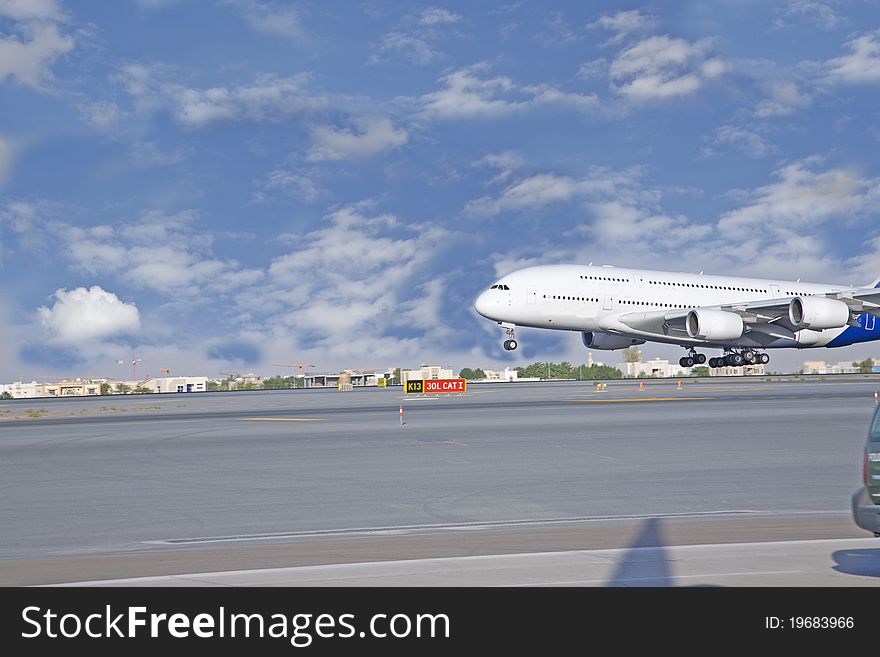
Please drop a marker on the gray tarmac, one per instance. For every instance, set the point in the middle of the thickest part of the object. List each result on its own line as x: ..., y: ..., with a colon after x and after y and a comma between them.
x: 113, y: 488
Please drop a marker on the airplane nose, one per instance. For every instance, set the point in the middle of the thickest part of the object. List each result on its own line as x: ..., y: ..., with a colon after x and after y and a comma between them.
x: 482, y: 304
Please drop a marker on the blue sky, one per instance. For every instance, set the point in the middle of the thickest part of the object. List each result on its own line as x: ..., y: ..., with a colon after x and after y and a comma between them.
x: 222, y: 185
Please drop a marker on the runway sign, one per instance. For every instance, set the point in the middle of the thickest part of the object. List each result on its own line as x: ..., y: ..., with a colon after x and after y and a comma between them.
x: 415, y: 387
x: 445, y: 385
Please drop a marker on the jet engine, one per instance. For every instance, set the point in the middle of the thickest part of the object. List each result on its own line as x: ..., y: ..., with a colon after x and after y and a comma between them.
x: 606, y: 341
x: 714, y: 325
x: 817, y: 313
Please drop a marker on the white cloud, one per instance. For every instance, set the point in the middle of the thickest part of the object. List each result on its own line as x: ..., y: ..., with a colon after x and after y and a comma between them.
x: 292, y: 183
x: 801, y: 198
x: 28, y: 60
x: 376, y: 134
x: 506, y: 162
x: 339, y: 288
x: 623, y: 23
x: 274, y: 19
x: 28, y: 10
x: 818, y: 13
x: 466, y: 95
x: 745, y: 140
x: 623, y: 223
x: 267, y: 97
x: 84, y: 315
x: 662, y: 67
x: 861, y: 65
x: 785, y: 98
x: 540, y: 190
x: 7, y: 155
x: 159, y: 252
x: 416, y: 47
x: 438, y: 16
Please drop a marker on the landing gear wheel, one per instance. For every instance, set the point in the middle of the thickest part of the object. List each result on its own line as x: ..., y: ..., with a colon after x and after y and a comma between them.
x: 700, y: 359
x: 687, y: 361
x: 510, y: 345
x: 713, y: 362
x: 736, y: 360
x: 764, y: 358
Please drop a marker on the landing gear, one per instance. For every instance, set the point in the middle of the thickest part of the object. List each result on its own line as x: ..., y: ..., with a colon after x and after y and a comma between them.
x: 693, y: 358
x: 510, y: 344
x: 738, y: 359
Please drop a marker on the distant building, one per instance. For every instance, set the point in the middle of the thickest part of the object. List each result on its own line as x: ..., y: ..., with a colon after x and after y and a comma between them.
x: 656, y: 367
x: 176, y: 384
x: 821, y: 367
x: 356, y: 378
x: 67, y: 388
x: 426, y: 372
x: 507, y: 374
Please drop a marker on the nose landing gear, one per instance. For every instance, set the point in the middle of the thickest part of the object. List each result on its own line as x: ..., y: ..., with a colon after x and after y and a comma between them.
x: 510, y: 344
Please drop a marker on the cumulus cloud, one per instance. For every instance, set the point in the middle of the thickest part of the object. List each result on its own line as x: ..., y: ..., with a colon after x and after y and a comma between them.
x: 338, y: 289
x: 376, y: 134
x: 803, y: 197
x: 28, y: 58
x: 438, y: 15
x: 543, y: 189
x: 743, y: 139
x: 623, y: 23
x: 159, y: 252
x: 506, y: 162
x: 28, y: 10
x: 271, y: 18
x: 785, y: 98
x: 861, y: 65
x: 818, y: 13
x: 267, y: 97
x: 467, y: 95
x: 662, y: 67
x: 296, y: 185
x: 84, y: 315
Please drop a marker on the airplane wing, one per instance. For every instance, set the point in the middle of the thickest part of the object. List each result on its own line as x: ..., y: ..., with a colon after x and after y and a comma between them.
x: 765, y: 320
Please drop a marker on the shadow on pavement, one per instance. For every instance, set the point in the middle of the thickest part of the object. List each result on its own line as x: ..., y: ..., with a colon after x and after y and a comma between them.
x: 858, y: 562
x: 645, y: 563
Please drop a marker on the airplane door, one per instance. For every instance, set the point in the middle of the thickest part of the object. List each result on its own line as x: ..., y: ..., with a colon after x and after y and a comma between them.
x: 532, y: 295
x: 870, y: 322
x: 775, y: 292
x: 607, y: 304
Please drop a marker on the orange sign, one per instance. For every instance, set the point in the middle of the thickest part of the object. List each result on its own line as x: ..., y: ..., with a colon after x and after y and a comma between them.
x: 445, y: 385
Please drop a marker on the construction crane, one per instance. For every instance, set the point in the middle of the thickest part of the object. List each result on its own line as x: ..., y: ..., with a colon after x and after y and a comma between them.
x: 231, y: 375
x: 301, y: 366
x: 134, y: 362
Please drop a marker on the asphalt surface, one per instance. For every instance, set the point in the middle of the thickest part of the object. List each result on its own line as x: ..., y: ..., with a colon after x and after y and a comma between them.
x: 115, y: 487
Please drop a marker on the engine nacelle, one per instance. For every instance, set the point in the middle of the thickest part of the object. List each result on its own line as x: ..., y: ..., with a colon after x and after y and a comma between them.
x: 606, y: 341
x: 817, y: 313
x: 712, y: 325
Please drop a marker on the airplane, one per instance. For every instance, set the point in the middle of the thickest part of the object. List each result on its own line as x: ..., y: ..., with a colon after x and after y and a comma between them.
x: 615, y: 308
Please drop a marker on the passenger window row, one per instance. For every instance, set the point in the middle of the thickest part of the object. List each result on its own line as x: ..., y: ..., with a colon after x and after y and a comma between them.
x: 708, y: 287
x: 605, y: 278
x: 565, y: 298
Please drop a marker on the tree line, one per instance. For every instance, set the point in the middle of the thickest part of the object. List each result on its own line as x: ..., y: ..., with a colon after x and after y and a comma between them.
x: 548, y: 370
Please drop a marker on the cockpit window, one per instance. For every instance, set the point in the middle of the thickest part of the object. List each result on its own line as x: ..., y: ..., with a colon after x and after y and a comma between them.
x: 494, y: 287
x: 504, y: 287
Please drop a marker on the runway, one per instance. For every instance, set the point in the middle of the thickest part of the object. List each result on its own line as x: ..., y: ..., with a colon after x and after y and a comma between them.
x: 233, y: 482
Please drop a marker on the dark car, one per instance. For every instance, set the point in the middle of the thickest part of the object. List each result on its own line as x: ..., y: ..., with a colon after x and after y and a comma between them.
x: 866, y: 500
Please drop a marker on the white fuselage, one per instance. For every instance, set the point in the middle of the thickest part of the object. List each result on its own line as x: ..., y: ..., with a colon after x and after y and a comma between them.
x: 592, y: 298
